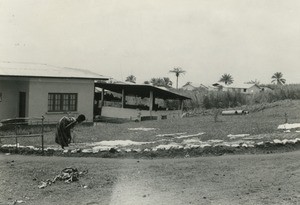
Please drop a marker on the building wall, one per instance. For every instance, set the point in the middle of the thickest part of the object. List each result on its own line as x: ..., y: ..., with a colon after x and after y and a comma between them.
x: 38, y: 97
x: 253, y: 89
x: 9, y: 89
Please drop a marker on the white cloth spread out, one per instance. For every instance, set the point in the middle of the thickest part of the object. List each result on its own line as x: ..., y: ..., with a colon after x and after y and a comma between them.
x: 141, y: 129
x: 288, y: 126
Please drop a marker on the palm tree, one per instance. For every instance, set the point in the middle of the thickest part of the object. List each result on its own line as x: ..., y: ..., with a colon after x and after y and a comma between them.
x: 277, y: 77
x: 177, y: 72
x: 226, y: 78
x: 131, y: 79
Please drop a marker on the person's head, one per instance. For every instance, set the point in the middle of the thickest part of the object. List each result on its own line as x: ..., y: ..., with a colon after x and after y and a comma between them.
x: 80, y: 118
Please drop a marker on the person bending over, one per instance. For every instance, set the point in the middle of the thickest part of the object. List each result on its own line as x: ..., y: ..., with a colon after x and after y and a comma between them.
x: 63, y: 129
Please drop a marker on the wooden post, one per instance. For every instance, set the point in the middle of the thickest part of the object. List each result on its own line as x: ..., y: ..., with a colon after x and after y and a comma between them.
x: 16, y: 132
x: 43, y: 134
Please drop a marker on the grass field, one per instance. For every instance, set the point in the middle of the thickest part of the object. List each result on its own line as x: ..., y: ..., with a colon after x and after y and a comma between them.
x: 263, y: 119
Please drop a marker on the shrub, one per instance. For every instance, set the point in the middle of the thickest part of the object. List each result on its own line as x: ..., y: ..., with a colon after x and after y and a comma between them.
x: 221, y: 99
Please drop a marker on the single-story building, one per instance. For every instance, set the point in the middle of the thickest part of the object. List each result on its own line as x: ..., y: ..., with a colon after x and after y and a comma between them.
x: 265, y: 89
x: 138, y: 101
x: 241, y: 88
x: 193, y: 86
x: 36, y: 90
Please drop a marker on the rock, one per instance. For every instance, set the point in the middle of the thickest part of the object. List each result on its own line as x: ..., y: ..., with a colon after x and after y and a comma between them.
x: 87, y: 151
x: 43, y: 185
x: 113, y: 150
x: 19, y: 202
x: 277, y: 141
x: 76, y: 151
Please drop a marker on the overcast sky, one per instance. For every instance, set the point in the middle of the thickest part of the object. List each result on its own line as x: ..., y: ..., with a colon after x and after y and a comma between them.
x: 249, y: 39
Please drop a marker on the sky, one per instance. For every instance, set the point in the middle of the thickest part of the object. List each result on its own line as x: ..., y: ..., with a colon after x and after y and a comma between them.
x: 248, y: 39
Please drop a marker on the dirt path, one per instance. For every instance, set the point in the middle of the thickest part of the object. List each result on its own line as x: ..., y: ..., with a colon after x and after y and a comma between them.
x: 250, y: 179
x: 229, y: 179
x: 140, y: 186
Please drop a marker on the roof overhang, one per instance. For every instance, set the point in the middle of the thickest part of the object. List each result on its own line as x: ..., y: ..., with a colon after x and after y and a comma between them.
x: 57, y: 77
x: 38, y: 70
x: 141, y: 90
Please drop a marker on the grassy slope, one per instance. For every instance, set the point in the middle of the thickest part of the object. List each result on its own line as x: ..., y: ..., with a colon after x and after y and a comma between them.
x: 263, y: 119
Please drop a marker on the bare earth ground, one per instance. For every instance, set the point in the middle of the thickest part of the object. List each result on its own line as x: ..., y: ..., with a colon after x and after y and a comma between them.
x: 227, y: 179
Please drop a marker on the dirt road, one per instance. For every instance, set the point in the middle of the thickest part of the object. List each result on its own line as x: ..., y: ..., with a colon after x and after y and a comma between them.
x: 229, y: 179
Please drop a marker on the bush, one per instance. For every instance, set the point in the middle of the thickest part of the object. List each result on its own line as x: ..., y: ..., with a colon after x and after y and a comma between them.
x: 220, y: 99
x: 291, y: 92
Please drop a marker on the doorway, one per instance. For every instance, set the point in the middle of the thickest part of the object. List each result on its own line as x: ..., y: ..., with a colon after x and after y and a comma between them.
x: 22, y: 104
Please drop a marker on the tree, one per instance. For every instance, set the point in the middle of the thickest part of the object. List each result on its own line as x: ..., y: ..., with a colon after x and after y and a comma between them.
x: 178, y: 72
x: 131, y: 79
x: 165, y: 82
x: 157, y: 81
x: 226, y: 78
x: 278, y: 78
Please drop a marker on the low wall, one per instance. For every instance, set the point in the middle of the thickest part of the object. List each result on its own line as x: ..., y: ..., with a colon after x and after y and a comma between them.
x: 135, y: 114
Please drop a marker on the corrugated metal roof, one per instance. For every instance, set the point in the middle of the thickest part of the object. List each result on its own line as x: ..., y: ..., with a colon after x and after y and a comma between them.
x: 235, y: 85
x: 194, y: 85
x: 44, y: 70
x: 243, y: 85
x: 141, y: 90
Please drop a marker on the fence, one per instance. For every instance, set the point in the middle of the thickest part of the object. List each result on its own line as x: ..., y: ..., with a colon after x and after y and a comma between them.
x: 15, y: 124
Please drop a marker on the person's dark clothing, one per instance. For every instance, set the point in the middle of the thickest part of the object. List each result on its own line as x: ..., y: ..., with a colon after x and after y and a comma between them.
x: 63, y: 131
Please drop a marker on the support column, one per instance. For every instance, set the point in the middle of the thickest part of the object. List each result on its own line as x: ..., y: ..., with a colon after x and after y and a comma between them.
x: 181, y: 105
x: 151, y: 102
x: 94, y: 107
x: 123, y: 98
x: 102, y: 97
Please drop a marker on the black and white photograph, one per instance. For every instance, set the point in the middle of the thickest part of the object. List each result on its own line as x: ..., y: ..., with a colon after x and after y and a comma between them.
x: 147, y: 102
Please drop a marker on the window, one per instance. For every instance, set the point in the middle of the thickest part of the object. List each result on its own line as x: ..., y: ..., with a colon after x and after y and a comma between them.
x: 60, y: 102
